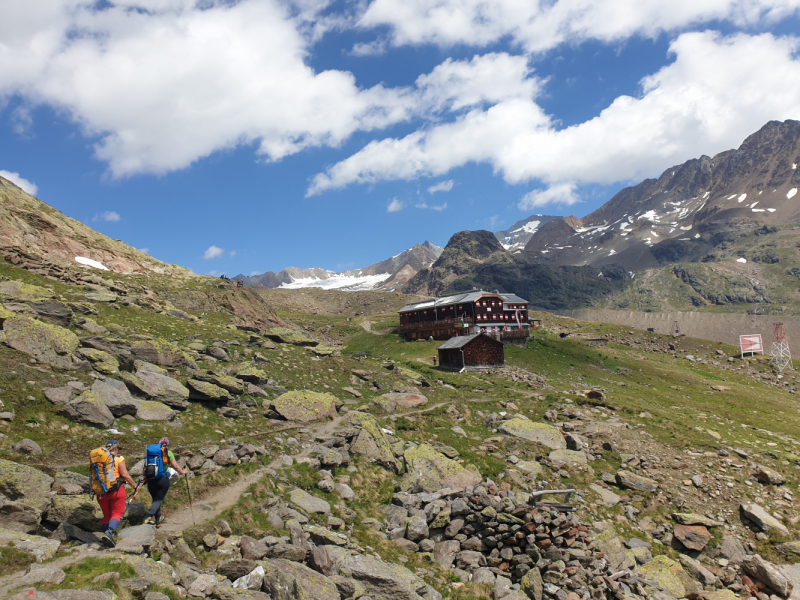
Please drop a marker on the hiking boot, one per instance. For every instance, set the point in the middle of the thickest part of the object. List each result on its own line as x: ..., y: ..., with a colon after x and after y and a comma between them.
x: 150, y: 521
x: 108, y: 539
x: 160, y: 521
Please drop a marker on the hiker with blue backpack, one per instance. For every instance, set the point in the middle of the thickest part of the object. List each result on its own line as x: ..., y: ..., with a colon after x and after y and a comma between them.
x: 109, y: 475
x: 157, y: 465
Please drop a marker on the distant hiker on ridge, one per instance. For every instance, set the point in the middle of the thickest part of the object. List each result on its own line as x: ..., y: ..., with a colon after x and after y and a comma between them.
x: 108, y: 476
x: 157, y: 465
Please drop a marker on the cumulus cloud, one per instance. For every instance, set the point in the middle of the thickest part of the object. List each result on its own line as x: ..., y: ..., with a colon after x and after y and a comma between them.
x: 715, y: 92
x: 435, y: 207
x: 375, y: 48
x: 109, y: 217
x: 540, y: 25
x: 20, y: 182
x: 232, y: 253
x: 254, y: 273
x: 145, y: 250
x: 395, y: 205
x: 213, y: 252
x: 162, y: 84
x: 444, y: 186
x: 563, y: 193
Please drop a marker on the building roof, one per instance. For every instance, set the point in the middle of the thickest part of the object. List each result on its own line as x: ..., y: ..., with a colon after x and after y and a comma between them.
x: 459, y: 299
x: 513, y: 298
x: 462, y: 340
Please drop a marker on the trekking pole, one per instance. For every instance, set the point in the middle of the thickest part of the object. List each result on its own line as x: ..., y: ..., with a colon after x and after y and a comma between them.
x: 188, y: 491
x: 133, y: 497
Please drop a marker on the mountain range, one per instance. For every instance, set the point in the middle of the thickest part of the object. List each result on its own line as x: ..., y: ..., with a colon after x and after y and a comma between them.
x: 712, y: 232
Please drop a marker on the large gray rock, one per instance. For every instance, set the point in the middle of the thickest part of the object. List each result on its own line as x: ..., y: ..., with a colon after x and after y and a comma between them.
x: 372, y: 443
x: 138, y: 535
x: 313, y: 585
x: 380, y: 580
x: 304, y: 406
x: 46, y: 343
x: 417, y: 528
x: 445, y: 553
x: 758, y: 515
x: 53, y: 312
x: 60, y: 395
x: 164, y: 389
x: 26, y: 446
x: 430, y: 470
x: 768, y: 574
x: 18, y: 516
x: 25, y: 484
x: 63, y: 478
x: 540, y: 433
x: 532, y: 585
x: 207, y: 392
x: 81, y: 511
x: 41, y: 574
x: 89, y: 410
x: 632, y: 481
x: 309, y: 503
x: 608, y: 497
x: 150, y: 410
x: 117, y: 398
x: 41, y: 548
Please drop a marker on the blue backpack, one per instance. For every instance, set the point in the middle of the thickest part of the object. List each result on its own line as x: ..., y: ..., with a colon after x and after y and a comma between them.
x: 156, y: 461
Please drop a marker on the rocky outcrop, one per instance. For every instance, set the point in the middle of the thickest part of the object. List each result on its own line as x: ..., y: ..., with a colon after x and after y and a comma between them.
x: 47, y: 343
x: 305, y: 406
x: 430, y: 470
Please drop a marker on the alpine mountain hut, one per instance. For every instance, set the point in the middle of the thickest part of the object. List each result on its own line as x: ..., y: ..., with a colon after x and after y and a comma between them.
x: 474, y: 351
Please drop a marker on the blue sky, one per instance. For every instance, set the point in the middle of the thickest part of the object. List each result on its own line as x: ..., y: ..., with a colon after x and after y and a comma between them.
x: 240, y: 137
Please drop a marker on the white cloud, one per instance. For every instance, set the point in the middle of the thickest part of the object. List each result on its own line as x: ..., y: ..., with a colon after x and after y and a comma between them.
x: 424, y: 205
x: 539, y: 25
x: 109, y: 217
x: 145, y: 250
x: 493, y: 221
x: 213, y: 252
x: 254, y: 273
x: 232, y: 253
x: 563, y: 193
x: 715, y: 93
x: 162, y: 84
x: 395, y: 205
x: 375, y: 48
x: 20, y: 182
x: 213, y: 273
x: 444, y: 186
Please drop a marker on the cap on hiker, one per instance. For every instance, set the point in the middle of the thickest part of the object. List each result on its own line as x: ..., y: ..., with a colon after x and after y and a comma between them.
x: 112, y: 443
x: 164, y: 441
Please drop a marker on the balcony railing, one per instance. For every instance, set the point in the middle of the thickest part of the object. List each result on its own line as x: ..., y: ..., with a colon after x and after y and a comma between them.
x: 430, y: 324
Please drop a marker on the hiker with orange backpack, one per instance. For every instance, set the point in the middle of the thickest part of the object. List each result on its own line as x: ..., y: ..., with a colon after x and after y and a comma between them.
x: 108, y: 476
x: 157, y: 465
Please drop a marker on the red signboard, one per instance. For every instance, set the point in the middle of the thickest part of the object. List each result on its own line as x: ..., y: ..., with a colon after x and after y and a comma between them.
x: 751, y: 343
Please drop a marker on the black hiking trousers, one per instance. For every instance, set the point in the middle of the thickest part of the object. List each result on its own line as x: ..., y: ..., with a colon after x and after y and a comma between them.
x: 158, y: 489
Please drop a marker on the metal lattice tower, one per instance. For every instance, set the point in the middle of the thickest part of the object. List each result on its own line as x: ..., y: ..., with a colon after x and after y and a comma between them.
x: 781, y: 356
x: 676, y: 330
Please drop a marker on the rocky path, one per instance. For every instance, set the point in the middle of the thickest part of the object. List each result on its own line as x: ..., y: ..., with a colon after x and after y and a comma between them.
x: 210, y: 505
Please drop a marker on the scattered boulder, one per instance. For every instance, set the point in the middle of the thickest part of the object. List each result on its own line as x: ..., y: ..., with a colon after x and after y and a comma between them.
x: 89, y: 409
x: 632, y: 481
x: 284, y: 335
x: 53, y: 312
x: 309, y: 503
x: 81, y: 511
x: 101, y: 361
x: 540, y: 433
x: 372, y: 443
x: 160, y: 352
x: 42, y: 548
x: 693, y: 537
x: 758, y: 515
x: 305, y: 406
x: 162, y: 388
x: 207, y: 392
x: 768, y: 574
x: 154, y: 411
x: 28, y: 447
x: 18, y: 516
x: 59, y: 395
x: 431, y: 470
x: 46, y: 343
x: 116, y: 397
x: 25, y: 484
x: 768, y: 476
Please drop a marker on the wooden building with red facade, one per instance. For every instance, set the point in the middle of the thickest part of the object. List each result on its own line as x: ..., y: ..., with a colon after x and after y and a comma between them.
x: 474, y: 351
x: 502, y: 316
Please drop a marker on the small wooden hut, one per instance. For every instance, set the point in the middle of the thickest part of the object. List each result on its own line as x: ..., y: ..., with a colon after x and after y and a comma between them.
x: 475, y: 351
